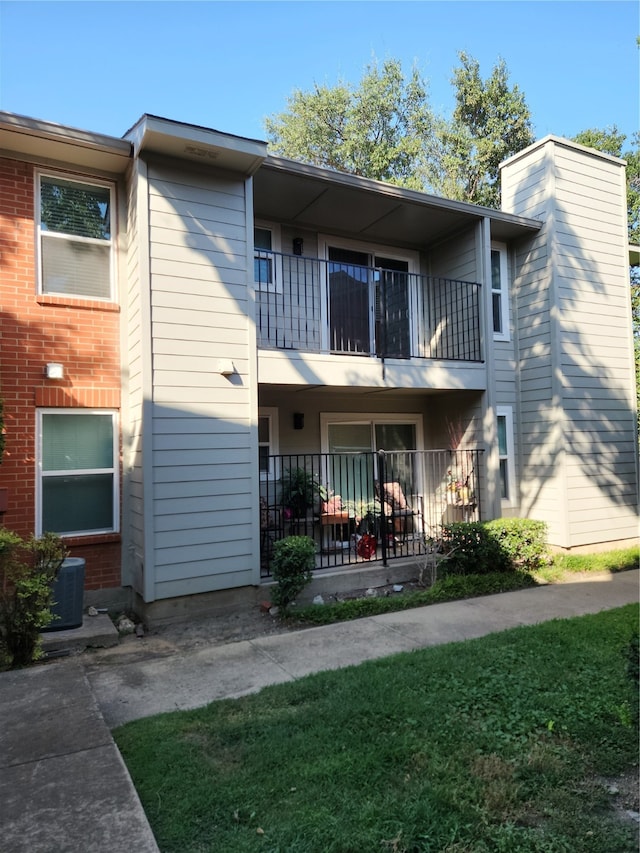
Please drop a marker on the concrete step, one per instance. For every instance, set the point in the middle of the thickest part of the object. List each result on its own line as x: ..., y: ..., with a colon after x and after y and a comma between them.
x: 95, y: 632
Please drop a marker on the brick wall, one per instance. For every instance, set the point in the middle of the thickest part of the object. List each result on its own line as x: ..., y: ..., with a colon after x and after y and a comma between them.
x: 83, y: 335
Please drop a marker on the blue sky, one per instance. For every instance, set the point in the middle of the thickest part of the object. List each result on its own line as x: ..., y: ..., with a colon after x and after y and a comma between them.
x: 100, y: 65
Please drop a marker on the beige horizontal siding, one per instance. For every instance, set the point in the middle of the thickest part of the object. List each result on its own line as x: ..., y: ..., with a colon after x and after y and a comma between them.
x: 203, y: 456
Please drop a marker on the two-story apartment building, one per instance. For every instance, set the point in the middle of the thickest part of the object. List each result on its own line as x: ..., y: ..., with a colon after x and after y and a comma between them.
x: 188, y: 323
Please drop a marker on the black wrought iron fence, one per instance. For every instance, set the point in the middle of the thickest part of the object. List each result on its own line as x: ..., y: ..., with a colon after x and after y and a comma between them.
x: 328, y: 306
x: 359, y: 507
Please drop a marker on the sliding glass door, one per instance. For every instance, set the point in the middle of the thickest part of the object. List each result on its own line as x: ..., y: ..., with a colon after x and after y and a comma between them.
x: 350, y: 307
x: 368, y: 299
x: 354, y: 473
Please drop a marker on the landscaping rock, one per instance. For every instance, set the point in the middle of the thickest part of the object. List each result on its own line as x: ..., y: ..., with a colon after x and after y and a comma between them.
x: 125, y: 626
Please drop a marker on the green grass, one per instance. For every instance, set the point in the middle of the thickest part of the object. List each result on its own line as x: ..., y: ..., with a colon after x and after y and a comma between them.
x: 489, y: 745
x: 607, y: 561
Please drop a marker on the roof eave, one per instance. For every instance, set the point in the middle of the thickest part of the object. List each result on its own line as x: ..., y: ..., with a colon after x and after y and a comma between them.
x: 35, y: 139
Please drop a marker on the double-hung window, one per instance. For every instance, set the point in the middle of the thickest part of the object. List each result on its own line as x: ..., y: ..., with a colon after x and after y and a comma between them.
x: 78, y: 472
x: 75, y: 232
x: 499, y: 292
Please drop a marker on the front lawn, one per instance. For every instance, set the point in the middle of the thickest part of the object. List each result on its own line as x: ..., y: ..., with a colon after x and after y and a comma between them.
x: 496, y: 744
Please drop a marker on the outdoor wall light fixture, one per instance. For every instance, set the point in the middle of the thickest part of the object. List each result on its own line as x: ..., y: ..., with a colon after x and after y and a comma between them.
x: 298, y: 420
x: 53, y: 370
x: 297, y: 245
x: 225, y: 367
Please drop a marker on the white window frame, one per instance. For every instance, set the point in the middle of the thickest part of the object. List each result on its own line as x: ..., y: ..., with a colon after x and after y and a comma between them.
x: 504, y: 334
x: 271, y: 414
x: 370, y: 418
x: 85, y: 181
x: 506, y: 412
x: 274, y: 255
x: 114, y: 470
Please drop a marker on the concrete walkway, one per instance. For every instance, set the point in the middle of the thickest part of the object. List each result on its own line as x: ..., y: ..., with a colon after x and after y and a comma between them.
x: 63, y: 785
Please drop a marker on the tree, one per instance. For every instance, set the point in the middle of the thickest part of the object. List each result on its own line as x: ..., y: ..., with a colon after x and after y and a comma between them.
x: 379, y: 129
x: 385, y: 129
x: 491, y: 121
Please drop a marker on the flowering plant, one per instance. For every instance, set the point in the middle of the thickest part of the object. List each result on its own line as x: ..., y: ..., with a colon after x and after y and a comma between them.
x: 459, y: 489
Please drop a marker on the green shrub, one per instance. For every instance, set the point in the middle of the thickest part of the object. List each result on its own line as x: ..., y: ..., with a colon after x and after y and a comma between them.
x: 523, y: 540
x: 501, y: 545
x: 470, y: 549
x: 294, y: 558
x: 27, y: 571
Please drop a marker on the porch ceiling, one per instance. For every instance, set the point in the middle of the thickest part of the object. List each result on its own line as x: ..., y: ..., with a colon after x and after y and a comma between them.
x: 332, y: 202
x: 349, y: 391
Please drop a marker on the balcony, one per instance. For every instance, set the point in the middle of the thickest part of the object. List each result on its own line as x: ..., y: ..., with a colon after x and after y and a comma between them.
x: 365, y: 507
x: 337, y: 307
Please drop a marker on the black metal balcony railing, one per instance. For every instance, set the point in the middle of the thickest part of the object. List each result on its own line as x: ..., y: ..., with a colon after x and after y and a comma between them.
x: 328, y: 306
x: 367, y: 506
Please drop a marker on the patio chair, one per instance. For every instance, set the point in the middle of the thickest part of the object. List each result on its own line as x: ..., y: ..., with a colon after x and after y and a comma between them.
x: 396, y: 509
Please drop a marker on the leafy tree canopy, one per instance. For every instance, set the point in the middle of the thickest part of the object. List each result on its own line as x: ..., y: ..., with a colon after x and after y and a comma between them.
x: 490, y: 122
x: 377, y: 129
x: 384, y: 128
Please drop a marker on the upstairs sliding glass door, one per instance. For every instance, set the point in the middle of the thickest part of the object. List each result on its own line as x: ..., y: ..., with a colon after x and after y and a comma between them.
x: 368, y: 299
x: 350, y: 305
x: 393, y: 332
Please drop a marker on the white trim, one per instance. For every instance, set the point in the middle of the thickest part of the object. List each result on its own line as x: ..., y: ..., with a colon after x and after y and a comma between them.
x: 271, y: 413
x: 85, y: 180
x: 326, y: 240
x: 506, y: 412
x: 505, y: 334
x: 274, y: 255
x: 114, y: 470
x: 371, y: 418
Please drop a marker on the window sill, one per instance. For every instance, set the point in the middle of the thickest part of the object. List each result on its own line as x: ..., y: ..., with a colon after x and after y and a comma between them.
x: 63, y: 301
x: 91, y: 539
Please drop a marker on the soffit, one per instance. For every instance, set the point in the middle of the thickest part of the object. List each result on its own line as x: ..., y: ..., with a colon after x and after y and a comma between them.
x: 187, y: 142
x: 42, y: 141
x: 321, y: 200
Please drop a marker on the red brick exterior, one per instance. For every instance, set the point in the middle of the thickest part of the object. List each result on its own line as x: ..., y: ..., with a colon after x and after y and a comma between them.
x: 83, y: 335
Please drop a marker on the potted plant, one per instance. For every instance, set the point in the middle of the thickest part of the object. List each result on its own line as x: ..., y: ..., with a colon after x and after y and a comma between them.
x: 300, y: 491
